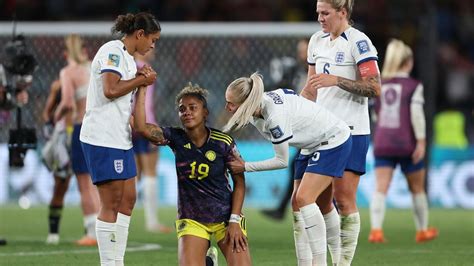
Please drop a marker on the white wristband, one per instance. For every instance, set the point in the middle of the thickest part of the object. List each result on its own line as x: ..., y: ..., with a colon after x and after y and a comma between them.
x: 235, y: 218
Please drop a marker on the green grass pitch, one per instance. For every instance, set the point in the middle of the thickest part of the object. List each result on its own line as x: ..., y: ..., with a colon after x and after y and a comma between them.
x: 271, y: 243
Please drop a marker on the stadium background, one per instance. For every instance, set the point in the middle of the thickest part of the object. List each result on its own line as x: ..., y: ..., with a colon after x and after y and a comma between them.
x: 201, y: 43
x: 207, y: 43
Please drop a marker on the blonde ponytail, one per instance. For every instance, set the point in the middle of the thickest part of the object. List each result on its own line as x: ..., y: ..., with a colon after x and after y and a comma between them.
x: 249, y: 93
x: 74, y: 48
x: 397, y: 54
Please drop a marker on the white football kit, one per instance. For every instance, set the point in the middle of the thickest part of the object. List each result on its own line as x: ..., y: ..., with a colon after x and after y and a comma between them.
x: 301, y: 122
x: 106, y: 122
x: 341, y: 57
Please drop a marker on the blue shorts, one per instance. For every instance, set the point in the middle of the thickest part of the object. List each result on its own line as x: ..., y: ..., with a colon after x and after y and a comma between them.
x: 141, y: 145
x: 330, y: 162
x: 78, y: 161
x: 357, y: 159
x: 406, y: 163
x: 107, y: 164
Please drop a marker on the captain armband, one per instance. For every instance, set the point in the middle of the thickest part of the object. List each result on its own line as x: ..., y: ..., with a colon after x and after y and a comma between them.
x: 369, y: 68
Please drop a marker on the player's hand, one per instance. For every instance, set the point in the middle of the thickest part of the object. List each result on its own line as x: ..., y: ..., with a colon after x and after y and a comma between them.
x: 144, y: 71
x: 149, y: 74
x: 48, y: 129
x: 163, y: 142
x: 319, y: 81
x: 237, y: 166
x: 419, y: 152
x: 235, y: 238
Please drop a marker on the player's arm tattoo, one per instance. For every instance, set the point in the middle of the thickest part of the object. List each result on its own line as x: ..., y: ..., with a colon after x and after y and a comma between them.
x: 368, y: 86
x: 155, y: 133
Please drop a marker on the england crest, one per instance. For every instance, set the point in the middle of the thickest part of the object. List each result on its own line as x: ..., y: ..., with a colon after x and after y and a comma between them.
x: 339, y: 57
x: 118, y: 165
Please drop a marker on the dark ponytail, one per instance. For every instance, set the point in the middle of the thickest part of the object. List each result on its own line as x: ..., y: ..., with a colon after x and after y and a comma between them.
x: 129, y: 23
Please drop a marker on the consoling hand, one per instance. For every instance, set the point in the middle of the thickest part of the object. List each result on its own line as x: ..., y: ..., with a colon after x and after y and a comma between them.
x: 237, y: 166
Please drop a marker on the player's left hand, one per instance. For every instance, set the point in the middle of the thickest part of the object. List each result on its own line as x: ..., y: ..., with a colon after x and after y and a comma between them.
x: 419, y: 152
x: 319, y: 81
x: 235, y: 238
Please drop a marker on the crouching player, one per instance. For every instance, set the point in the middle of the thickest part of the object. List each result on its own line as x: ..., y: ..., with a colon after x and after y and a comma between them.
x: 207, y: 206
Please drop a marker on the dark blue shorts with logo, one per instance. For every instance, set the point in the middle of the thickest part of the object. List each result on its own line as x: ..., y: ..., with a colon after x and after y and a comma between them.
x: 107, y: 164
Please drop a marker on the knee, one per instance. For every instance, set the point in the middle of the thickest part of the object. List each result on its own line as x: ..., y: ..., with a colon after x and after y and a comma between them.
x: 294, y: 204
x: 302, y: 200
x: 128, y: 202
x: 416, y: 188
x: 324, y: 205
x: 345, y: 203
x: 111, y: 203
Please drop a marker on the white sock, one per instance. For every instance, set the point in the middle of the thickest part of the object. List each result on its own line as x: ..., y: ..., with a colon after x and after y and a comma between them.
x: 303, y: 251
x: 377, y: 210
x: 122, y: 223
x: 420, y: 211
x: 106, y: 241
x: 333, y: 234
x: 350, y: 227
x: 89, y: 225
x: 316, y: 231
x: 150, y: 201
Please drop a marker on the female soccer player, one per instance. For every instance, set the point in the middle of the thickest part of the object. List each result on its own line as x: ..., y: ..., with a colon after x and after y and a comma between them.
x: 342, y: 75
x: 207, y: 206
x: 325, y: 141
x: 106, y: 134
x: 400, y: 138
x: 55, y: 154
x: 74, y: 80
x: 146, y: 157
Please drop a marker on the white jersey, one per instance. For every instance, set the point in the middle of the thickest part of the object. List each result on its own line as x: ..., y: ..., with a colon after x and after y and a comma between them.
x: 301, y: 122
x: 106, y: 122
x: 340, y: 57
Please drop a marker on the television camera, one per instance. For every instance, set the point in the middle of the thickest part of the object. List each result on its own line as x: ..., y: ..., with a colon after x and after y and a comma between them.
x: 19, y: 65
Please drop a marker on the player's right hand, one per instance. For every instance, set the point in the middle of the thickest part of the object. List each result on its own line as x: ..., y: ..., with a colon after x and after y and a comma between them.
x: 235, y: 238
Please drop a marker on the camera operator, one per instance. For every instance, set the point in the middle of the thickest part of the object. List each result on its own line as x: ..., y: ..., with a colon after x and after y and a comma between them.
x: 14, y: 94
x: 18, y: 65
x: 8, y: 99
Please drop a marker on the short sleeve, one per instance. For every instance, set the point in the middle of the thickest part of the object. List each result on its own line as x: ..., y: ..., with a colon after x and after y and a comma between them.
x: 230, y: 151
x: 112, y: 60
x: 311, y: 50
x: 280, y: 128
x: 362, y: 49
x: 168, y: 134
